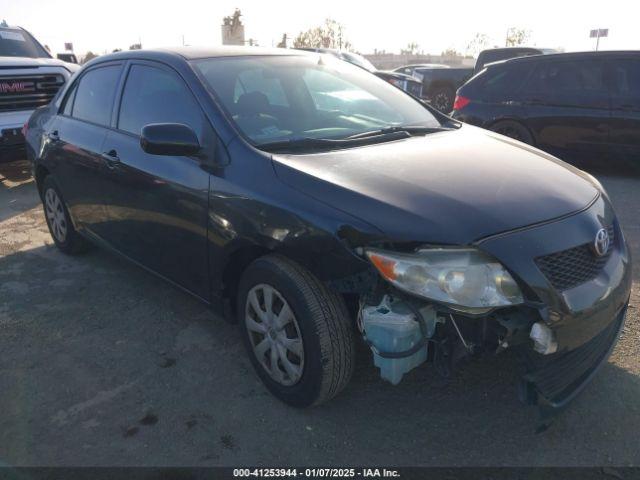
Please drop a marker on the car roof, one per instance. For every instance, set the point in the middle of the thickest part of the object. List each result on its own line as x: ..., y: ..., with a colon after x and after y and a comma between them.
x: 194, y: 53
x: 568, y: 56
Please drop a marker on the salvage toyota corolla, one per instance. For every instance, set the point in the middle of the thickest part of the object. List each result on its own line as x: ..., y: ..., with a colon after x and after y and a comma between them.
x: 315, y: 203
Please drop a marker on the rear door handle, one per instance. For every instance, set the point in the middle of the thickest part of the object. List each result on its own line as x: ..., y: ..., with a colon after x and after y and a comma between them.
x: 111, y: 157
x: 53, y: 136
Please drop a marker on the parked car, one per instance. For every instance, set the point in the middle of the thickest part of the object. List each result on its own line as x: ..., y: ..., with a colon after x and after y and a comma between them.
x: 410, y: 69
x: 439, y: 85
x: 29, y: 78
x: 402, y: 81
x: 497, y: 54
x: 67, y: 57
x: 575, y: 105
x: 219, y: 170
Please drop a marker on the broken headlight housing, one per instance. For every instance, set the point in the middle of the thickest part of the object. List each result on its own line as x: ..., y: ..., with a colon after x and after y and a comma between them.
x: 466, y: 279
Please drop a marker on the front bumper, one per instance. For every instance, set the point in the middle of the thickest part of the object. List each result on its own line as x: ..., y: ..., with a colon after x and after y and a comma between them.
x: 586, y: 318
x: 557, y: 379
x: 12, y: 142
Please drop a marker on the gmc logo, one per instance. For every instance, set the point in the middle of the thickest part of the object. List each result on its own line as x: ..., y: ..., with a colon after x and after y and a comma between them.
x: 17, y: 87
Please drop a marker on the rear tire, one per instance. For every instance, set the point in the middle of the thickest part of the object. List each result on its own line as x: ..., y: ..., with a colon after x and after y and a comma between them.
x: 64, y: 235
x: 320, y: 353
x: 512, y: 129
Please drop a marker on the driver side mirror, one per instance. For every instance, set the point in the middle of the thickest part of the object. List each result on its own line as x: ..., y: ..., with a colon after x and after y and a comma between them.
x: 169, y: 139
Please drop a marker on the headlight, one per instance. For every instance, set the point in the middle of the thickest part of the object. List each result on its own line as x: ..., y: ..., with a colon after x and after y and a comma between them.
x: 464, y: 277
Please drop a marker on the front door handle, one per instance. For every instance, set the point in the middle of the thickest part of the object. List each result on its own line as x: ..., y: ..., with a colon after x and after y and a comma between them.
x: 111, y: 157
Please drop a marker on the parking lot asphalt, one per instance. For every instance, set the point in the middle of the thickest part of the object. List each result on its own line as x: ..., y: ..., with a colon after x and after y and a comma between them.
x: 103, y: 364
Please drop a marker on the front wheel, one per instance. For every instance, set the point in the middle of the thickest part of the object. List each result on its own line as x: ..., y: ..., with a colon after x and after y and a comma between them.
x: 297, y: 332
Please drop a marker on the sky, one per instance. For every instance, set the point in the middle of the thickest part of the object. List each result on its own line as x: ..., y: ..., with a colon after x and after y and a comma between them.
x: 434, y: 25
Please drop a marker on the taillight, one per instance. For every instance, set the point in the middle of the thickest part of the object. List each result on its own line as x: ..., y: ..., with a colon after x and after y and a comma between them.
x: 460, y: 102
x: 25, y: 128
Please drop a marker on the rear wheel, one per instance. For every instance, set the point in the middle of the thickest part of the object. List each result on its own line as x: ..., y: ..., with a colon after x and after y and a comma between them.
x: 297, y: 332
x: 58, y: 220
x: 512, y: 129
x: 442, y: 99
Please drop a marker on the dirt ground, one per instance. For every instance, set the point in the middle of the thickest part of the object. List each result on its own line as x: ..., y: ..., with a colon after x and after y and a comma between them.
x: 104, y: 364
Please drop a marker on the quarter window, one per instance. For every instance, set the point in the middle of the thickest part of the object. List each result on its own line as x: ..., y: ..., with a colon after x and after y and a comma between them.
x: 627, y: 77
x: 95, y: 93
x: 155, y: 95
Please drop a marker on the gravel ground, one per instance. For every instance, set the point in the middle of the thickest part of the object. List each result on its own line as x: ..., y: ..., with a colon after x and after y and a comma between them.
x: 103, y: 364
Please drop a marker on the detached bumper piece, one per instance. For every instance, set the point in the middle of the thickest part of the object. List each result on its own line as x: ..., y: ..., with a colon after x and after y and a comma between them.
x: 553, y: 381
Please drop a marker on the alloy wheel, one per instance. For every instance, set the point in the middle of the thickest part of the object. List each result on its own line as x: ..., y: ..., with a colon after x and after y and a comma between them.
x: 274, y: 334
x: 55, y: 214
x: 441, y: 101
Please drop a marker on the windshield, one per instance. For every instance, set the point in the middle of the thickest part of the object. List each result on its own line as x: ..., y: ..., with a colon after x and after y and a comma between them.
x: 279, y: 98
x: 18, y: 43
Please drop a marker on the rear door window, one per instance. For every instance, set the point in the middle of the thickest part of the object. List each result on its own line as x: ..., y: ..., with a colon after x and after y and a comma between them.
x: 95, y: 93
x: 576, y: 83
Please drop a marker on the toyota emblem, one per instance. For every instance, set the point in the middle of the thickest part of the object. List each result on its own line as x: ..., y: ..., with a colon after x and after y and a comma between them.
x: 601, y: 243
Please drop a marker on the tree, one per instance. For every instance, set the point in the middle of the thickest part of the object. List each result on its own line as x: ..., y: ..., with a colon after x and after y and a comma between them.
x: 329, y: 35
x: 451, y: 53
x: 412, y: 49
x: 89, y: 56
x: 479, y: 42
x: 135, y: 46
x: 517, y: 37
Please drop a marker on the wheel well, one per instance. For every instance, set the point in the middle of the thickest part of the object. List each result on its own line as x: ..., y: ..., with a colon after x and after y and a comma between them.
x: 438, y: 85
x: 41, y: 173
x: 514, y: 120
x: 234, y: 268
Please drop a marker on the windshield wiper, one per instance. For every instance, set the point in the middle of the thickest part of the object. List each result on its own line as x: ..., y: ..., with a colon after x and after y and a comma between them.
x: 308, y: 143
x: 409, y: 129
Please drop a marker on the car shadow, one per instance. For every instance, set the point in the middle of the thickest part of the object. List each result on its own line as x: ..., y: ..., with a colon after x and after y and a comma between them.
x: 16, y: 189
x: 91, y: 344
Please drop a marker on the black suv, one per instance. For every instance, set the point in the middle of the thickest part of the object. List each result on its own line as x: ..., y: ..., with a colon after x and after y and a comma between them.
x: 570, y: 104
x: 302, y: 197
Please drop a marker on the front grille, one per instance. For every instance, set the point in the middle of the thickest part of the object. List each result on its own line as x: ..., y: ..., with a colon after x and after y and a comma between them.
x: 26, y: 92
x: 575, y: 266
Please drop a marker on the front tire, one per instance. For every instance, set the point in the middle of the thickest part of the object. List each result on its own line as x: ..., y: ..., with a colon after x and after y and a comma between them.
x: 297, y: 332
x: 64, y: 235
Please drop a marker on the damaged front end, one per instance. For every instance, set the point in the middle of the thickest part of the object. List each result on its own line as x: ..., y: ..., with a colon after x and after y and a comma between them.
x: 404, y: 332
x: 439, y: 305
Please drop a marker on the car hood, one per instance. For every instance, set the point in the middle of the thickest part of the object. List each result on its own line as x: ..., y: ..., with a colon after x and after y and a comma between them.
x: 24, y: 62
x: 444, y: 188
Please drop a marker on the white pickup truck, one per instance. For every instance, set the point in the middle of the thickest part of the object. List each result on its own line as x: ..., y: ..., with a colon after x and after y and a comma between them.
x: 29, y: 78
